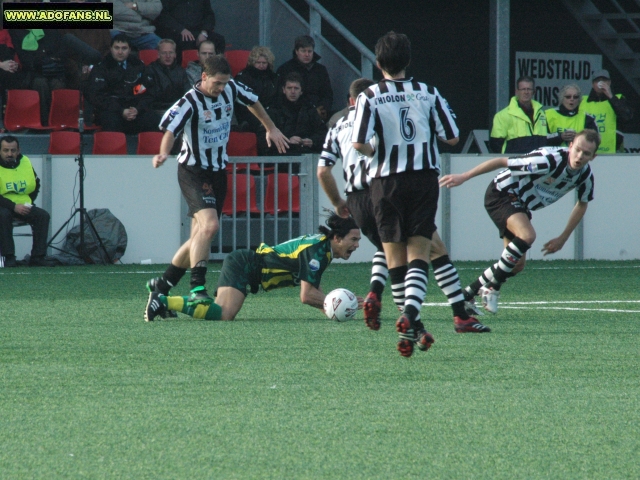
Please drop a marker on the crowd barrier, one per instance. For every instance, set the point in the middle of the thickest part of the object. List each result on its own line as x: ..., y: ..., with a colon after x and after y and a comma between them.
x: 149, y: 204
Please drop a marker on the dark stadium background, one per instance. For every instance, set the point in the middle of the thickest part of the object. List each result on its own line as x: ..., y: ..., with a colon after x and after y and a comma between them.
x: 450, y: 42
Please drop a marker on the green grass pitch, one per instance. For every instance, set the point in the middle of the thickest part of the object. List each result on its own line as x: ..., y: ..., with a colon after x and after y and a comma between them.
x: 90, y: 390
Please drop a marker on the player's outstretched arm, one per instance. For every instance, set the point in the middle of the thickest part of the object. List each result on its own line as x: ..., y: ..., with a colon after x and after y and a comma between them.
x: 456, y: 179
x: 310, y: 295
x: 556, y: 244
x: 274, y: 135
x: 165, y: 149
x: 330, y: 187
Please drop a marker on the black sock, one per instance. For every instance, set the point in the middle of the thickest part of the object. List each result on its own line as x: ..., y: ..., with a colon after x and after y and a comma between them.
x: 198, y: 276
x: 172, y: 275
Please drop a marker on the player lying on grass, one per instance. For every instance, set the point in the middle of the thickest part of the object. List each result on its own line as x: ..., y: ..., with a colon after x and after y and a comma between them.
x: 338, y: 146
x: 300, y: 261
x: 529, y: 182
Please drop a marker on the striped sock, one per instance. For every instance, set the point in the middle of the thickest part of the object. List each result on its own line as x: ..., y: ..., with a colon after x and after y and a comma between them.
x: 415, y: 287
x: 498, y: 273
x: 379, y: 273
x: 397, y: 285
x: 449, y: 282
x: 179, y: 304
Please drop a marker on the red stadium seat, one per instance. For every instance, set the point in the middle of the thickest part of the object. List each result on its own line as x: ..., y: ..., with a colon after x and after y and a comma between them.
x: 245, y: 144
x: 65, y: 110
x: 148, y: 55
x: 149, y: 143
x: 189, y: 56
x: 109, y: 143
x: 237, y: 59
x: 240, y: 195
x: 64, y: 143
x: 23, y: 111
x: 283, y: 193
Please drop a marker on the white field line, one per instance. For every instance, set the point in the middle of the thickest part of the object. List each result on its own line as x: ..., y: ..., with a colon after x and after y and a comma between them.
x: 536, y: 305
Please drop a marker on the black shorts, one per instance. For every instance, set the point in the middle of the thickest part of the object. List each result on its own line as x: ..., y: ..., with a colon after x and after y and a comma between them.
x: 202, y: 188
x: 361, y: 208
x: 500, y: 206
x: 241, y: 268
x: 405, y: 204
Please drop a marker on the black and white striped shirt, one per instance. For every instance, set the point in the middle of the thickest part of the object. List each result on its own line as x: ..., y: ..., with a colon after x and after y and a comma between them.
x: 338, y: 145
x: 406, y: 117
x: 205, y: 123
x: 543, y: 177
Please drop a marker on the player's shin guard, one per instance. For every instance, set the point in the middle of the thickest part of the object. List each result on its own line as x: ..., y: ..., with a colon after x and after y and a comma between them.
x: 397, y: 285
x: 449, y: 282
x: 498, y: 273
x: 415, y: 287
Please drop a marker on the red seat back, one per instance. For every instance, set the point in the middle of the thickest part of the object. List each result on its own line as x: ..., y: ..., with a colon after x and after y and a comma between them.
x: 237, y: 59
x: 189, y: 56
x: 23, y: 111
x: 240, y: 194
x: 109, y: 143
x: 149, y: 143
x: 64, y: 143
x: 148, y: 55
x: 65, y: 108
x: 282, y: 193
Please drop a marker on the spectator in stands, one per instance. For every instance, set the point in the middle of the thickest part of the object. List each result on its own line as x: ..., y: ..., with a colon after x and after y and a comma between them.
x: 165, y: 80
x: 206, y: 50
x: 259, y: 77
x: 19, y: 187
x: 521, y: 126
x: 46, y: 58
x: 315, y: 77
x: 189, y: 23
x: 10, y: 74
x: 609, y: 109
x: 117, y: 93
x: 567, y: 118
x: 297, y: 119
x: 134, y: 20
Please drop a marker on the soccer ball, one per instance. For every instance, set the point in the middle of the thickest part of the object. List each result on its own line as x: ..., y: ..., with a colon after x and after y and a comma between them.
x: 340, y: 305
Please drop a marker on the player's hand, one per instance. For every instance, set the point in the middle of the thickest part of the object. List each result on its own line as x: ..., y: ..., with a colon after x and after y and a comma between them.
x: 452, y: 180
x: 342, y: 209
x: 281, y: 142
x: 159, y: 159
x: 552, y: 246
x: 187, y: 36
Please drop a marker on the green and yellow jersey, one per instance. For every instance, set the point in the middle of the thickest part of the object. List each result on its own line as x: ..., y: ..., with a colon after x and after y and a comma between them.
x: 300, y: 259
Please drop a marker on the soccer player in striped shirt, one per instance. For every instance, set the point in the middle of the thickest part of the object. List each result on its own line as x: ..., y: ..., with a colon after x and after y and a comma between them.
x: 405, y: 118
x: 527, y: 183
x: 203, y: 116
x: 338, y: 146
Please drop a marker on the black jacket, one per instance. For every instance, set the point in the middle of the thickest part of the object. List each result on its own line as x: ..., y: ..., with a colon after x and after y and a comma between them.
x: 264, y: 83
x: 166, y: 85
x: 176, y: 15
x: 112, y: 88
x: 296, y: 119
x: 48, y: 59
x: 316, y: 87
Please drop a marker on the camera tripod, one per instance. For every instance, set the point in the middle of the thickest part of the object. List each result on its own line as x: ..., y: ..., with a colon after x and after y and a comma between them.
x: 81, y: 210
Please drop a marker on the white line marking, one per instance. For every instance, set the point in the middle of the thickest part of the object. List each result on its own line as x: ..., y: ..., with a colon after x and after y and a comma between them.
x: 536, y: 305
